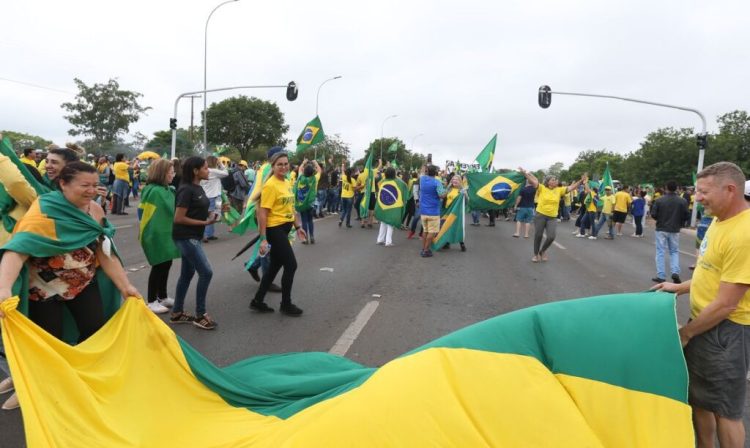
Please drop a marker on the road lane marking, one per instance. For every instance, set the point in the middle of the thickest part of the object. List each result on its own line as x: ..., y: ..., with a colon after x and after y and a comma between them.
x: 688, y: 254
x: 123, y: 227
x: 355, y: 328
x: 558, y: 245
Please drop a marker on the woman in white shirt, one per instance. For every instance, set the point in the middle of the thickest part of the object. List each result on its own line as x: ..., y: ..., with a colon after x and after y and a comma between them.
x: 212, y: 187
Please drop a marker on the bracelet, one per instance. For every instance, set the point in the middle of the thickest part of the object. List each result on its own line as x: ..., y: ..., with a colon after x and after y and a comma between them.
x: 262, y: 238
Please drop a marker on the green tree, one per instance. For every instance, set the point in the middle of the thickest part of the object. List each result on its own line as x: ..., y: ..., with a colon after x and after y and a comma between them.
x: 732, y: 143
x: 593, y: 162
x: 246, y: 124
x: 666, y: 154
x: 103, y: 111
x: 555, y: 169
x: 332, y: 147
x: 406, y: 159
x: 162, y: 142
x: 19, y: 140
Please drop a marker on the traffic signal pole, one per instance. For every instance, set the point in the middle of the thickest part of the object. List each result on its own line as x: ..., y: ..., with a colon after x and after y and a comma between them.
x: 545, y: 100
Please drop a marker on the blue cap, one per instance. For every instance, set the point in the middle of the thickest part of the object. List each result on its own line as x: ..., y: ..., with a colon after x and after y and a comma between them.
x: 274, y: 150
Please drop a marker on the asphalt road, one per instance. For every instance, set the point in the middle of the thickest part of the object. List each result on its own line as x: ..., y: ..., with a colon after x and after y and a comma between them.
x: 416, y: 299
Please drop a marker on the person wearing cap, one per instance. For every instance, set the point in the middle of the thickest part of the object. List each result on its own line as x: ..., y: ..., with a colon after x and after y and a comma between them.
x: 276, y: 216
x: 608, y: 204
x: 716, y: 339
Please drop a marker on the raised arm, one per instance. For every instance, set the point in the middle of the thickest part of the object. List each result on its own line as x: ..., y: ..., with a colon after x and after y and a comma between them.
x: 584, y: 179
x: 530, y: 177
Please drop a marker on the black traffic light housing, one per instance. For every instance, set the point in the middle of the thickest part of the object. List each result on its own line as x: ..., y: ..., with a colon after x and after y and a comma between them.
x: 545, y: 97
x: 291, y: 91
x: 702, y: 140
x: 173, y: 123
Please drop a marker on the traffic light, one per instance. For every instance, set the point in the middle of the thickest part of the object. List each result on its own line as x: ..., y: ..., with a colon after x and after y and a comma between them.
x: 173, y: 123
x: 702, y: 140
x: 291, y: 91
x: 545, y: 96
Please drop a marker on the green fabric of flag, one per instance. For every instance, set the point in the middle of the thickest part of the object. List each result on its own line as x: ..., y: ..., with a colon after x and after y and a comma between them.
x: 393, y: 148
x: 451, y: 224
x: 248, y: 221
x: 165, y: 156
x: 391, y: 203
x: 394, y: 164
x: 311, y: 134
x: 487, y: 155
x: 695, y: 179
x: 157, y: 209
x: 606, y: 180
x: 365, y: 203
x: 494, y: 191
x: 305, y: 190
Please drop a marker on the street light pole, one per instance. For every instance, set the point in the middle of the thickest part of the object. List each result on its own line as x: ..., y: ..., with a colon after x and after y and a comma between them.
x: 317, y: 97
x: 545, y: 98
x: 382, y: 127
x: 205, y: 79
x: 192, y: 109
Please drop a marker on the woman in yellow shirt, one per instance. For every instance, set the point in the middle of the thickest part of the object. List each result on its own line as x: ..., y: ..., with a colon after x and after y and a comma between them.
x: 348, y: 183
x: 121, y: 187
x: 545, y: 219
x: 276, y: 216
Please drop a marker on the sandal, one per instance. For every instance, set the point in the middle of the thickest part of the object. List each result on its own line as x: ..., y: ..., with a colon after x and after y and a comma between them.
x: 535, y: 259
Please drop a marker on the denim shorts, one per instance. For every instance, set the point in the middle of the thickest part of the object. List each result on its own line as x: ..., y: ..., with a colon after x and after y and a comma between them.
x: 717, y: 362
x: 525, y: 214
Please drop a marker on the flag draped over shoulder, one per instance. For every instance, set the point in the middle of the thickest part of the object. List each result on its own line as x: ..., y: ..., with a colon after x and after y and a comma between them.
x: 54, y: 226
x: 494, y: 191
x: 248, y: 221
x: 559, y: 374
x: 487, y: 155
x: 365, y: 203
x: 156, y: 218
x: 451, y: 224
x: 391, y: 203
x: 305, y: 190
x: 311, y: 134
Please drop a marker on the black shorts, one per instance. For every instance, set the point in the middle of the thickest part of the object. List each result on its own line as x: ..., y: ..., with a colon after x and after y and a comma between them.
x: 717, y: 362
x: 619, y: 216
x: 371, y: 205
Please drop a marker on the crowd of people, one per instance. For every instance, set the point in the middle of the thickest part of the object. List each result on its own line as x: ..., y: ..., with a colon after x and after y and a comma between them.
x: 58, y: 245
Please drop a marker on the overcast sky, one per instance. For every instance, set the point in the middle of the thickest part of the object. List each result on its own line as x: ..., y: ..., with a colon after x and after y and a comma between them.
x: 457, y: 72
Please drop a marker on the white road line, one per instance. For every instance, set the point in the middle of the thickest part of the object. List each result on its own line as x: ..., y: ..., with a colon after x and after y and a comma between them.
x: 123, y: 227
x: 558, y: 245
x: 688, y: 254
x: 355, y: 328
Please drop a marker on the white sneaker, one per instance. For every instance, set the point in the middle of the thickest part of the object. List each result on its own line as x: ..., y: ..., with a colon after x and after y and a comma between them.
x: 388, y: 244
x: 578, y: 235
x: 592, y: 237
x: 168, y: 302
x: 157, y: 307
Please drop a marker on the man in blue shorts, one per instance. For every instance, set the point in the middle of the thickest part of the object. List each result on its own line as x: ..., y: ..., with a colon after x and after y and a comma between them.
x: 525, y: 210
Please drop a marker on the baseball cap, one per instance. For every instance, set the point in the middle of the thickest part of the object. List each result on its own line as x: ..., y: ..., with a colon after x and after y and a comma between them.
x: 607, y: 187
x: 747, y: 190
x: 274, y: 150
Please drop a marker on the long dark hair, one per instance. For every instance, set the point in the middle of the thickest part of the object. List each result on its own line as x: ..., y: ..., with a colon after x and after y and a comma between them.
x: 189, y: 166
x: 348, y: 174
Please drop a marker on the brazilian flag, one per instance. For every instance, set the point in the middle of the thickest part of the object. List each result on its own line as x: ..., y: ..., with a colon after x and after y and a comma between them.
x: 391, y: 202
x: 487, y: 155
x: 451, y: 224
x: 310, y: 135
x: 365, y: 203
x: 305, y: 190
x: 494, y: 191
x: 570, y: 373
x: 156, y: 214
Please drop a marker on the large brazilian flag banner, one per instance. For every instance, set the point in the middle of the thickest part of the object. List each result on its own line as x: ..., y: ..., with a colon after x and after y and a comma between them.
x: 494, y: 191
x: 391, y: 203
x: 572, y: 373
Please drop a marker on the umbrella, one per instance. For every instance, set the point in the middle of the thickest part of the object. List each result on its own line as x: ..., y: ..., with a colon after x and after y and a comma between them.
x: 146, y: 155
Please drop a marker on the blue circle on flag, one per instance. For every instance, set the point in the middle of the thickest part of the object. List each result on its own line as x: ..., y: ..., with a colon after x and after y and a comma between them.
x: 302, y: 194
x: 308, y: 134
x: 388, y: 195
x: 500, y: 191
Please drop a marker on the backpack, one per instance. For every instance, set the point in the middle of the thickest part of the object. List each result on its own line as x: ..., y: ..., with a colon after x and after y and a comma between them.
x: 240, y: 181
x: 228, y: 183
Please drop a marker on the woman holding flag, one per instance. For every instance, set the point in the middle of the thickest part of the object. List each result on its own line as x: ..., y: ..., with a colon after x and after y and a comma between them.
x: 455, y: 192
x: 305, y: 192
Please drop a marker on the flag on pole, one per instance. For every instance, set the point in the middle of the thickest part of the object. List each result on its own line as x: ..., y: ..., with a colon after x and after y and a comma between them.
x: 494, y: 191
x: 393, y: 147
x: 364, y: 205
x: 487, y: 155
x: 606, y: 181
x: 391, y: 202
x: 310, y: 135
x: 451, y: 224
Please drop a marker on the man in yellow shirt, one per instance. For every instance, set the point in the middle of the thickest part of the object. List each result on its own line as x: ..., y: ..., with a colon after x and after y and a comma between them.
x: 717, y: 336
x: 29, y: 157
x: 608, y: 205
x: 623, y: 200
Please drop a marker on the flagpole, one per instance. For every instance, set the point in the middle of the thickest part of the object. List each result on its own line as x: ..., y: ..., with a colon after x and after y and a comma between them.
x: 382, y: 127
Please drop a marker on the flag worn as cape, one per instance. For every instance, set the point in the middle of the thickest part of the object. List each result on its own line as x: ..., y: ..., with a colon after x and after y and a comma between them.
x: 157, y: 217
x: 311, y: 134
x: 559, y: 374
x: 305, y: 191
x: 487, y: 155
x: 248, y: 221
x: 54, y: 226
x: 451, y: 224
x: 365, y: 203
x: 494, y: 191
x: 391, y: 204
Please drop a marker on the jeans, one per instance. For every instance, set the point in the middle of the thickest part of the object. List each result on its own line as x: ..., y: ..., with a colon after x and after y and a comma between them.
x: 209, y: 232
x: 261, y: 263
x: 333, y: 200
x: 638, y: 225
x: 605, y: 218
x: 357, y: 201
x: 566, y: 213
x: 416, y: 220
x: 307, y: 222
x: 346, y: 210
x: 321, y: 199
x: 193, y: 259
x: 475, y: 214
x: 670, y: 241
x: 588, y: 221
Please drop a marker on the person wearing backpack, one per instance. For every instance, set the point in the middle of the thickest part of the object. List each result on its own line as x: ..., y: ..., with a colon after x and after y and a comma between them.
x: 238, y: 191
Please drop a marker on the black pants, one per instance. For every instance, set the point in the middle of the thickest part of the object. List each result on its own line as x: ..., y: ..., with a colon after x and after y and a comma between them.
x: 157, y: 281
x: 410, y: 209
x: 86, y: 308
x: 281, y: 255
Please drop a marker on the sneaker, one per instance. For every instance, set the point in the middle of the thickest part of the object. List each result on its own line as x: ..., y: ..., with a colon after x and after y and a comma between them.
x: 658, y: 280
x: 609, y: 237
x: 576, y: 232
x: 290, y: 309
x: 348, y: 226
x: 167, y: 301
x: 340, y: 222
x: 260, y: 307
x: 181, y: 318
x: 389, y: 245
x: 274, y: 288
x: 157, y: 308
x: 426, y: 253
x: 254, y: 274
x: 580, y: 235
x: 592, y: 237
x: 312, y: 240
x: 676, y: 278
x: 205, y: 322
x: 213, y: 238
x: 410, y: 235
x: 463, y: 247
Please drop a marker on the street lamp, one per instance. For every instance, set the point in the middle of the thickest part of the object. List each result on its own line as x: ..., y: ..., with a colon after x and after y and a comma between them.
x: 413, y: 139
x: 205, y: 65
x: 545, y: 100
x: 382, y: 127
x: 317, y: 97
